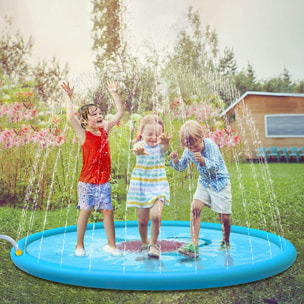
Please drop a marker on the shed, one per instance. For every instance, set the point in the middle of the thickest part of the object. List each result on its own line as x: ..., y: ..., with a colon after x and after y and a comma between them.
x: 266, y: 119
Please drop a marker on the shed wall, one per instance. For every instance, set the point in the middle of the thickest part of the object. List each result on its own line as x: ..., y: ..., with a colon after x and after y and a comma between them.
x: 250, y: 120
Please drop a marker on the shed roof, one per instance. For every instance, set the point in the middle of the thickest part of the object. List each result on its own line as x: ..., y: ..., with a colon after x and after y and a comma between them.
x: 261, y: 94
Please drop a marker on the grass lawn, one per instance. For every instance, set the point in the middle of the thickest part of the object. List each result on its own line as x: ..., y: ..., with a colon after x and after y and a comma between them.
x: 267, y: 197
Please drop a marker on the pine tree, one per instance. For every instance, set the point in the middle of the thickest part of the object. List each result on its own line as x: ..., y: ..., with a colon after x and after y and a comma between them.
x: 227, y: 64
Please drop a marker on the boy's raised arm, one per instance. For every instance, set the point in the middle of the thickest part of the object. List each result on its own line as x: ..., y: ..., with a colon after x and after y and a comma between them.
x: 69, y: 106
x: 70, y: 112
x: 113, y: 89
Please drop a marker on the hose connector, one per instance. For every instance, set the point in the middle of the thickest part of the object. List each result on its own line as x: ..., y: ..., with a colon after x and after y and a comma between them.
x: 18, y: 251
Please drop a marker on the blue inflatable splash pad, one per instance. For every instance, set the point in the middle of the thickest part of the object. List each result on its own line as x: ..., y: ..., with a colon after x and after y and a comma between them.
x: 254, y: 255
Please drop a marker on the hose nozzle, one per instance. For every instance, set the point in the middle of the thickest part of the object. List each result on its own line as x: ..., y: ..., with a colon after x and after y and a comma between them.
x: 18, y: 251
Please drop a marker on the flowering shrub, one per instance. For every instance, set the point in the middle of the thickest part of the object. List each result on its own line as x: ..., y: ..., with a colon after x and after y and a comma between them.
x: 186, y: 110
x: 17, y: 111
x: 24, y: 96
x: 25, y: 135
x: 223, y: 136
x: 26, y: 110
x: 23, y: 147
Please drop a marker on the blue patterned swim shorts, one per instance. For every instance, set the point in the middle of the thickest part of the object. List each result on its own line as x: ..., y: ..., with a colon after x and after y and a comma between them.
x: 91, y: 195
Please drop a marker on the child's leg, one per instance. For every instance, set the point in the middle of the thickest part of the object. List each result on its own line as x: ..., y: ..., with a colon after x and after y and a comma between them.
x: 156, y: 213
x: 195, y: 220
x: 226, y: 226
x: 82, y: 226
x: 108, y: 223
x: 143, y: 220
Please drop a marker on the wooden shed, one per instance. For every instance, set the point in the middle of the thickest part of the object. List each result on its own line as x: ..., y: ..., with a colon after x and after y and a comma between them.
x: 267, y: 119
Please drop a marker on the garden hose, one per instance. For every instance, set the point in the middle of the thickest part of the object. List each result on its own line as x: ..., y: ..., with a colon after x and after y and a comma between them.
x: 18, y: 251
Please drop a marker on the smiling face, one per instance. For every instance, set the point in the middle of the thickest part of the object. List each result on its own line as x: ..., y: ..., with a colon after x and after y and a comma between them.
x: 151, y: 134
x: 90, y: 117
x: 95, y: 118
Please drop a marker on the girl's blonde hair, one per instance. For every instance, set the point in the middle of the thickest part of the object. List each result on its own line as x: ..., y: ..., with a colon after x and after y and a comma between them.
x: 148, y: 120
x: 191, y: 133
x: 83, y: 113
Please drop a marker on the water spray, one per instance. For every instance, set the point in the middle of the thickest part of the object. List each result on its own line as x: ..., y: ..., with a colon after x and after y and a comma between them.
x: 18, y: 251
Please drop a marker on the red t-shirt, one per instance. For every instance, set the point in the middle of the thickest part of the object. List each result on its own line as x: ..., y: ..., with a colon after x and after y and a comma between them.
x: 96, y: 159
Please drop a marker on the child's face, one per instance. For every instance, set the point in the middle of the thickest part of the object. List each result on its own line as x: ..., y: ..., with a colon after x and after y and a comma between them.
x: 95, y: 118
x: 151, y: 134
x: 197, y: 147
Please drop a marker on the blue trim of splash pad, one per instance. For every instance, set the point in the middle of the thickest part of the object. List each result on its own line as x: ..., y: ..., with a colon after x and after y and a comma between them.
x: 254, y: 255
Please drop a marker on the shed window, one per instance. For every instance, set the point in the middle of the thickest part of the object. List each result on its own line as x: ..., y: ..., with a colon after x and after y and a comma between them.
x: 284, y: 125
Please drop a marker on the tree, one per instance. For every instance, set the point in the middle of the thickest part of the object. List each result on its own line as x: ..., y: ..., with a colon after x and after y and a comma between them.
x: 286, y: 81
x: 47, y: 77
x: 195, y: 51
x: 227, y: 63
x: 189, y: 69
x: 14, y: 52
x: 114, y: 62
x: 299, y: 87
x: 136, y: 84
x: 14, y: 55
x: 107, y: 31
x: 282, y: 83
x: 251, y: 76
x: 246, y: 80
x: 273, y: 84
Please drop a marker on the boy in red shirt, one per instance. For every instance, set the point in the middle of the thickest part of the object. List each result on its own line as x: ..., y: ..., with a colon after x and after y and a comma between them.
x: 94, y: 188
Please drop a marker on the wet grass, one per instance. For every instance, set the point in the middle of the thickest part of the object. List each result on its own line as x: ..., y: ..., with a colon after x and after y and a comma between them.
x: 274, y: 203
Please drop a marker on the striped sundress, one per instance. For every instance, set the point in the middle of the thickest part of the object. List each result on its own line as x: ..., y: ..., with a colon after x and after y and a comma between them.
x: 149, y: 180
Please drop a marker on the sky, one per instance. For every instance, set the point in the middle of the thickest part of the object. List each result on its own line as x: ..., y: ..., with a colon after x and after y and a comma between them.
x: 264, y: 33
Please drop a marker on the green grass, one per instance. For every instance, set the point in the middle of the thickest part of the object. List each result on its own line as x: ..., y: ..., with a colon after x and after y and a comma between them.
x: 264, y: 197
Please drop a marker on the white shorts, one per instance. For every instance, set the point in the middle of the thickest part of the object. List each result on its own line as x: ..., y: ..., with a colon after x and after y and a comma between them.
x: 219, y: 202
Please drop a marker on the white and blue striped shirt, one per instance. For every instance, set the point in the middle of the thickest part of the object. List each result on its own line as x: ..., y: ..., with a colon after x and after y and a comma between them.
x: 148, y: 179
x: 214, y: 173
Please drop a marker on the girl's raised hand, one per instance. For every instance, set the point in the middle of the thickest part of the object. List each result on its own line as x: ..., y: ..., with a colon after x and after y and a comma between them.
x: 164, y: 139
x: 112, y: 87
x: 66, y: 87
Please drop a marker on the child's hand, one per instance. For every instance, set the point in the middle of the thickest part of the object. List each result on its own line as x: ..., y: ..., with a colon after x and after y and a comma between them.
x: 140, y: 151
x: 112, y: 87
x: 164, y: 139
x: 66, y: 87
x: 199, y: 158
x: 174, y: 157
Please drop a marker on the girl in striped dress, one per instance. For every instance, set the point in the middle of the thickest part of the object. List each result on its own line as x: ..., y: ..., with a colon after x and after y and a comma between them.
x: 149, y: 188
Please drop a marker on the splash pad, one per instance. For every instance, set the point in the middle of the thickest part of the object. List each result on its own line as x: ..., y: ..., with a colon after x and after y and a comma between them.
x: 254, y: 255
